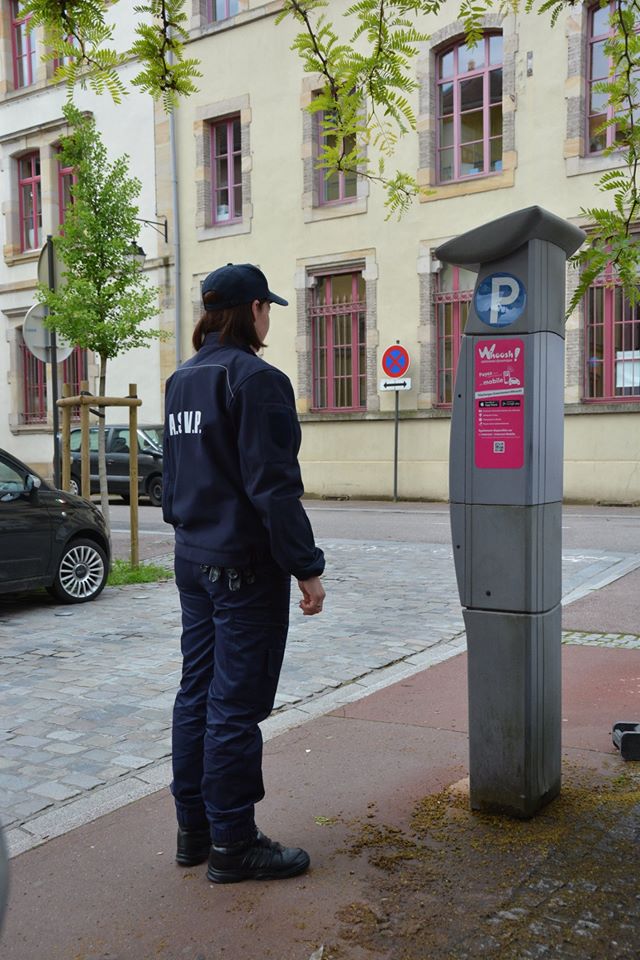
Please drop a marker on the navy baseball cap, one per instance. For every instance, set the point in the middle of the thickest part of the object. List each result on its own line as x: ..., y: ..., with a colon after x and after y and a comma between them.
x: 238, y: 283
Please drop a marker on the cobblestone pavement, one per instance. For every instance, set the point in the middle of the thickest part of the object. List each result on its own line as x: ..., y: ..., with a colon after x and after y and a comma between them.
x: 86, y: 692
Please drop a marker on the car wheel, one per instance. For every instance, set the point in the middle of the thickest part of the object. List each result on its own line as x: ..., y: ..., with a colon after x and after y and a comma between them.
x: 154, y: 491
x: 74, y: 485
x: 82, y: 572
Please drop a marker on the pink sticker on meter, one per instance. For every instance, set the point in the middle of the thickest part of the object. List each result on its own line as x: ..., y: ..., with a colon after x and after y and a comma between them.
x: 499, y: 403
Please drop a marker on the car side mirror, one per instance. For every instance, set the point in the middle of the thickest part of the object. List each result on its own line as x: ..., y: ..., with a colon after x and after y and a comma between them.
x: 32, y: 484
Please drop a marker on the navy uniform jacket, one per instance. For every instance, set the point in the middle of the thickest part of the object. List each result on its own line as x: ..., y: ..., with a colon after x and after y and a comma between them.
x: 231, y: 479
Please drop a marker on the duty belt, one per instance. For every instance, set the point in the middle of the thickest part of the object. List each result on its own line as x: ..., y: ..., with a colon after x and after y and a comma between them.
x: 234, y: 575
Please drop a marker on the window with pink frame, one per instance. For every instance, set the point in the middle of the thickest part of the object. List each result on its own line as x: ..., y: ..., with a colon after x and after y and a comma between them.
x: 30, y: 201
x: 469, y: 109
x: 221, y: 9
x: 612, y: 342
x: 454, y: 290
x: 23, y: 46
x: 34, y: 386
x: 339, y: 186
x: 599, y: 110
x: 337, y: 316
x: 226, y: 171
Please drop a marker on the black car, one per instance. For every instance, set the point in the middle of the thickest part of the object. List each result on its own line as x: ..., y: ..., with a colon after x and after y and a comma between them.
x: 117, y: 439
x: 49, y: 538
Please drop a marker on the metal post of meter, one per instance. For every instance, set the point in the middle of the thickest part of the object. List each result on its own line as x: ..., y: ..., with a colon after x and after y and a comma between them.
x: 54, y: 371
x: 505, y: 479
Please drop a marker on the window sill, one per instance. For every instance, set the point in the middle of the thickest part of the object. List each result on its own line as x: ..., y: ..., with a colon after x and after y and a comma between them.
x: 621, y: 405
x: 577, y: 166
x: 333, y: 211
x: 30, y: 428
x: 28, y: 256
x: 462, y: 188
x: 219, y: 231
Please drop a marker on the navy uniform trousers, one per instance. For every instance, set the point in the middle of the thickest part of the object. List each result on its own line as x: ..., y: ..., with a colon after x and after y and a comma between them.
x: 232, y: 646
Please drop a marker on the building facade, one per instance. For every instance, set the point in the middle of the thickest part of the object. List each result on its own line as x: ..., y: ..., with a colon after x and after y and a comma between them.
x: 507, y: 124
x: 35, y: 191
x: 502, y: 126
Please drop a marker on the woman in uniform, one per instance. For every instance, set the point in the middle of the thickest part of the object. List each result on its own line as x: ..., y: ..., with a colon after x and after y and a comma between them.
x: 231, y: 490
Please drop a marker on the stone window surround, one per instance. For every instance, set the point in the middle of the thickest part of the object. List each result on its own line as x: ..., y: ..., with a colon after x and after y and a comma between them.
x: 304, y: 282
x: 44, y: 139
x: 577, y: 160
x: 313, y: 209
x: 205, y: 115
x: 426, y: 71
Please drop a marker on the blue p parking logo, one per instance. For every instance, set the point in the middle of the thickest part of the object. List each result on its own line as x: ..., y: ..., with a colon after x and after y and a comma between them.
x: 500, y: 299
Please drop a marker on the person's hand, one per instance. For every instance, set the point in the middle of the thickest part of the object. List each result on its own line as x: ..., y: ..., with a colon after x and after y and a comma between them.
x: 312, y: 596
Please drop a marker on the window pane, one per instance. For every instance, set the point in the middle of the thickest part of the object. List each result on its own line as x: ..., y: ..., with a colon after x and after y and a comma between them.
x: 599, y: 62
x: 495, y: 86
x: 237, y: 201
x: 495, y: 49
x: 350, y: 183
x: 597, y: 140
x: 446, y: 132
x: 495, y: 122
x: 446, y: 64
x: 25, y: 168
x: 446, y: 99
x: 361, y: 289
x: 222, y: 205
x: 471, y: 126
x: 496, y: 154
x: 471, y: 58
x: 236, y: 134
x: 221, y: 139
x: 222, y: 173
x: 237, y: 170
x: 601, y: 21
x: 471, y: 96
x: 597, y: 102
x: 471, y: 159
x: 446, y: 165
x: 341, y: 291
x: 332, y: 187
x: 322, y: 291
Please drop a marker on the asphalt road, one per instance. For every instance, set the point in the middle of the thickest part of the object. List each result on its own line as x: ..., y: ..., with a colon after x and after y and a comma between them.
x: 583, y: 527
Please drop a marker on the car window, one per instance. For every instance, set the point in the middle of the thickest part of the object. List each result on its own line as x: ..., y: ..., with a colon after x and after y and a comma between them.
x: 11, y: 482
x: 155, y: 435
x: 75, y: 444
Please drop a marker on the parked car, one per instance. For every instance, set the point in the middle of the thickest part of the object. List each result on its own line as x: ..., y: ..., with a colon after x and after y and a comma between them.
x: 117, y: 438
x: 49, y: 538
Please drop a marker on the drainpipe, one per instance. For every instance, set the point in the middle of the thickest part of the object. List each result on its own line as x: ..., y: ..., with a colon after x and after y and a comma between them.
x: 176, y: 233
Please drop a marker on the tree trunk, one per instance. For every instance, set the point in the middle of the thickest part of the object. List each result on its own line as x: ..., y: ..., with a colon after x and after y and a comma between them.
x: 102, y: 460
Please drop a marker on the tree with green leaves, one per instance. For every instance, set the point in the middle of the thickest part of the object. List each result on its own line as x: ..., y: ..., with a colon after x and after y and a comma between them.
x: 104, y: 299
x: 367, y: 68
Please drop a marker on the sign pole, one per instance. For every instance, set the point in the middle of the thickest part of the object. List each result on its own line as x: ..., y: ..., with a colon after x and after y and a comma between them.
x: 395, y: 449
x: 54, y: 372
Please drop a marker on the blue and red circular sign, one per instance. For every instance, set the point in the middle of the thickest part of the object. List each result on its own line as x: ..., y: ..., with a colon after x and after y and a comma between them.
x: 395, y: 361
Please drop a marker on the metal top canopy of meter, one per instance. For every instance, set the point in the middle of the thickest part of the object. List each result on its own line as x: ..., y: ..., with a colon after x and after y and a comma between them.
x: 502, y: 237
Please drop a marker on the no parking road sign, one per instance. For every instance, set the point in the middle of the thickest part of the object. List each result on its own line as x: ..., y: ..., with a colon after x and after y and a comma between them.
x: 395, y: 361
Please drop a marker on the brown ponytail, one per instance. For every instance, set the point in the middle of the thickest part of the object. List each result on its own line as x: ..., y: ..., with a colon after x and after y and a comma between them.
x: 234, y: 324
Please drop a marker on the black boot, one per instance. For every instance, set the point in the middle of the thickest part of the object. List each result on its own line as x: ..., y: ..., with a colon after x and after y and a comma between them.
x: 257, y: 859
x: 193, y: 846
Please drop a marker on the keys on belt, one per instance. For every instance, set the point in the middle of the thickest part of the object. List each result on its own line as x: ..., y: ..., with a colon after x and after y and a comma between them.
x: 235, y: 575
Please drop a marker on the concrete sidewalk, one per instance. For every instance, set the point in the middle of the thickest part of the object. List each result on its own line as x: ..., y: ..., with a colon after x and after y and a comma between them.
x: 376, y: 790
